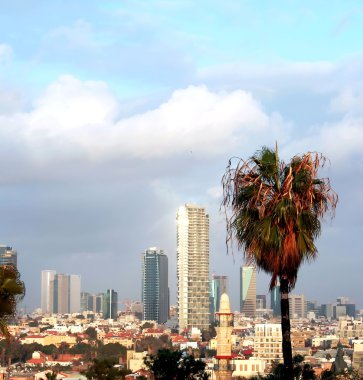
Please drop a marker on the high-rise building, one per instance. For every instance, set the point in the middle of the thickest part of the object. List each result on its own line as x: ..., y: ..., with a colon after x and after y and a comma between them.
x: 297, y: 306
x: 275, y: 300
x: 218, y: 287
x: 193, y: 267
x: 92, y: 302
x: 110, y: 306
x: 74, y: 293
x: 8, y: 256
x: 261, y: 301
x: 60, y: 293
x: 248, y: 290
x: 46, y: 294
x: 155, y: 290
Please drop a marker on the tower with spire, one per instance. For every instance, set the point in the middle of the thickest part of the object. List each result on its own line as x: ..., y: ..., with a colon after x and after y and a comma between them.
x: 224, y: 328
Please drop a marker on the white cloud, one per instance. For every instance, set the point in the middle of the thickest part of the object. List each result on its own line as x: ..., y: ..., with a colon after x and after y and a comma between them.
x: 76, y: 118
x: 6, y: 53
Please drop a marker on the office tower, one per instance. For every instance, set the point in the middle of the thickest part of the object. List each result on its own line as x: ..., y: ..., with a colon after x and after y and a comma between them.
x: 268, y: 342
x: 60, y: 293
x: 74, y: 293
x: 327, y: 310
x: 248, y: 290
x: 46, y: 294
x: 155, y: 291
x: 86, y: 304
x: 218, y: 287
x: 343, y: 300
x: 275, y: 299
x: 297, y: 306
x: 110, y: 306
x: 224, y: 328
x: 193, y: 267
x: 8, y: 256
x: 261, y: 301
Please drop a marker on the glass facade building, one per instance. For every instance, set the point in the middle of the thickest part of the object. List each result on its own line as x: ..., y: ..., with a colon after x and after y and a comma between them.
x: 155, y: 289
x: 8, y: 256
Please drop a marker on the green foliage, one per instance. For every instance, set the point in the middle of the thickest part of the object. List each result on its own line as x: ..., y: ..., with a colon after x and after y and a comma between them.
x: 111, y: 351
x: 12, y: 290
x: 104, y: 369
x: 92, y: 333
x: 169, y: 364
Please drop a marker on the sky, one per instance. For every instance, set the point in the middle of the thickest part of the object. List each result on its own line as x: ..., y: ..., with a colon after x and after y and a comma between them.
x: 115, y: 113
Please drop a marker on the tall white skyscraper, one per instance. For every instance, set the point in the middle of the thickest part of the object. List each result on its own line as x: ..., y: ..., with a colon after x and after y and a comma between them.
x: 46, y: 296
x: 193, y: 267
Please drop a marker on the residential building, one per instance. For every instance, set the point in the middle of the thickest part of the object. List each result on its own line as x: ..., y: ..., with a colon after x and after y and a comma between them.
x: 358, y: 358
x: 218, y: 287
x: 297, y: 306
x: 110, y: 306
x: 248, y: 290
x: 275, y: 300
x: 155, y: 290
x: 46, y: 296
x: 268, y: 342
x: 8, y: 256
x: 193, y: 267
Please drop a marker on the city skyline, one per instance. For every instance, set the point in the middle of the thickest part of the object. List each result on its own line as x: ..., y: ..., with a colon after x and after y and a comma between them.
x: 112, y: 115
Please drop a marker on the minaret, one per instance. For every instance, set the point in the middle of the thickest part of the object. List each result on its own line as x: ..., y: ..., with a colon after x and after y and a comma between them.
x: 224, y: 319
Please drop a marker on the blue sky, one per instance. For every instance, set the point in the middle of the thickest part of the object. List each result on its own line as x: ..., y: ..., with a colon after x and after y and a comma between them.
x: 113, y: 114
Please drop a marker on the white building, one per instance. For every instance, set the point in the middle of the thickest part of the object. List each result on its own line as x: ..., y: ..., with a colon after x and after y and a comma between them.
x: 297, y: 306
x: 268, y: 342
x: 193, y: 267
x: 46, y: 296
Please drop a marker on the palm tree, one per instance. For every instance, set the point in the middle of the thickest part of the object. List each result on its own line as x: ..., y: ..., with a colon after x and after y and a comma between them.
x: 12, y: 290
x: 273, y: 211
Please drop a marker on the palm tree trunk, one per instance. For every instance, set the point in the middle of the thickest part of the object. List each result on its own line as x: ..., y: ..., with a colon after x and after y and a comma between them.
x: 285, y: 327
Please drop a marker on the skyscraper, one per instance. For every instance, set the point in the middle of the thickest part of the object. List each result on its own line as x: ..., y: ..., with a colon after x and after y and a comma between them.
x: 8, y: 256
x: 155, y: 291
x: 193, y: 267
x: 60, y: 293
x: 46, y: 294
x: 110, y: 307
x: 297, y: 306
x: 276, y: 300
x: 218, y: 287
x: 248, y: 290
x: 74, y: 293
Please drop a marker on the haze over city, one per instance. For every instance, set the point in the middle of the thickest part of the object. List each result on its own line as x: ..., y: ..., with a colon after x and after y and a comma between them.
x: 112, y: 115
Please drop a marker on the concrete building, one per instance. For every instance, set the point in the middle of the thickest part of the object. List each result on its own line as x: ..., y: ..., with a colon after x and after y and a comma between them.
x: 297, y: 306
x: 60, y: 293
x: 46, y: 297
x: 193, y: 267
x: 268, y: 342
x: 248, y: 290
x: 224, y: 328
x: 358, y: 358
x: 155, y: 289
x: 218, y: 287
x: 8, y: 256
x: 74, y: 293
